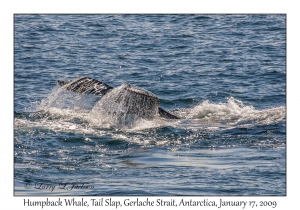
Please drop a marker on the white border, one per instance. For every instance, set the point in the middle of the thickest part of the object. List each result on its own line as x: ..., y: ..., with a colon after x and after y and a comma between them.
x: 8, y: 8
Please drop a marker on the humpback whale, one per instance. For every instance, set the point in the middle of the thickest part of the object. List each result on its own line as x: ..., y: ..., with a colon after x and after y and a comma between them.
x: 135, y: 100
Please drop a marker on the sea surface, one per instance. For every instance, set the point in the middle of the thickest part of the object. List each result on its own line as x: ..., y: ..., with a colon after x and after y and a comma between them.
x: 223, y: 75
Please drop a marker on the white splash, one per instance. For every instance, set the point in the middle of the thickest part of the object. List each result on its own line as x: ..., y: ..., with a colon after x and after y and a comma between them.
x: 233, y: 112
x: 66, y: 111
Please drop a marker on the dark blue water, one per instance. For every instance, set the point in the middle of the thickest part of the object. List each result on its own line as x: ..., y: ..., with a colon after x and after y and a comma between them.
x: 224, y: 75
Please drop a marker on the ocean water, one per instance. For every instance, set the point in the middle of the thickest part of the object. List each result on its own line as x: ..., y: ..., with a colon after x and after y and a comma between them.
x: 223, y: 75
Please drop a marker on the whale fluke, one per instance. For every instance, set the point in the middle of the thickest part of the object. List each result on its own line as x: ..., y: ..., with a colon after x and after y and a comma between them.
x: 163, y: 113
x: 85, y: 85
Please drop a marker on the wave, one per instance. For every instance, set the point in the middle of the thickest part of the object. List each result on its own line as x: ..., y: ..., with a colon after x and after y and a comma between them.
x: 234, y: 112
x: 66, y: 111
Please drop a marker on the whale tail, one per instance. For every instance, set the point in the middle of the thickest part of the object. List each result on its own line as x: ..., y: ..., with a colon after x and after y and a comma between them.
x: 163, y: 113
x: 85, y: 85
